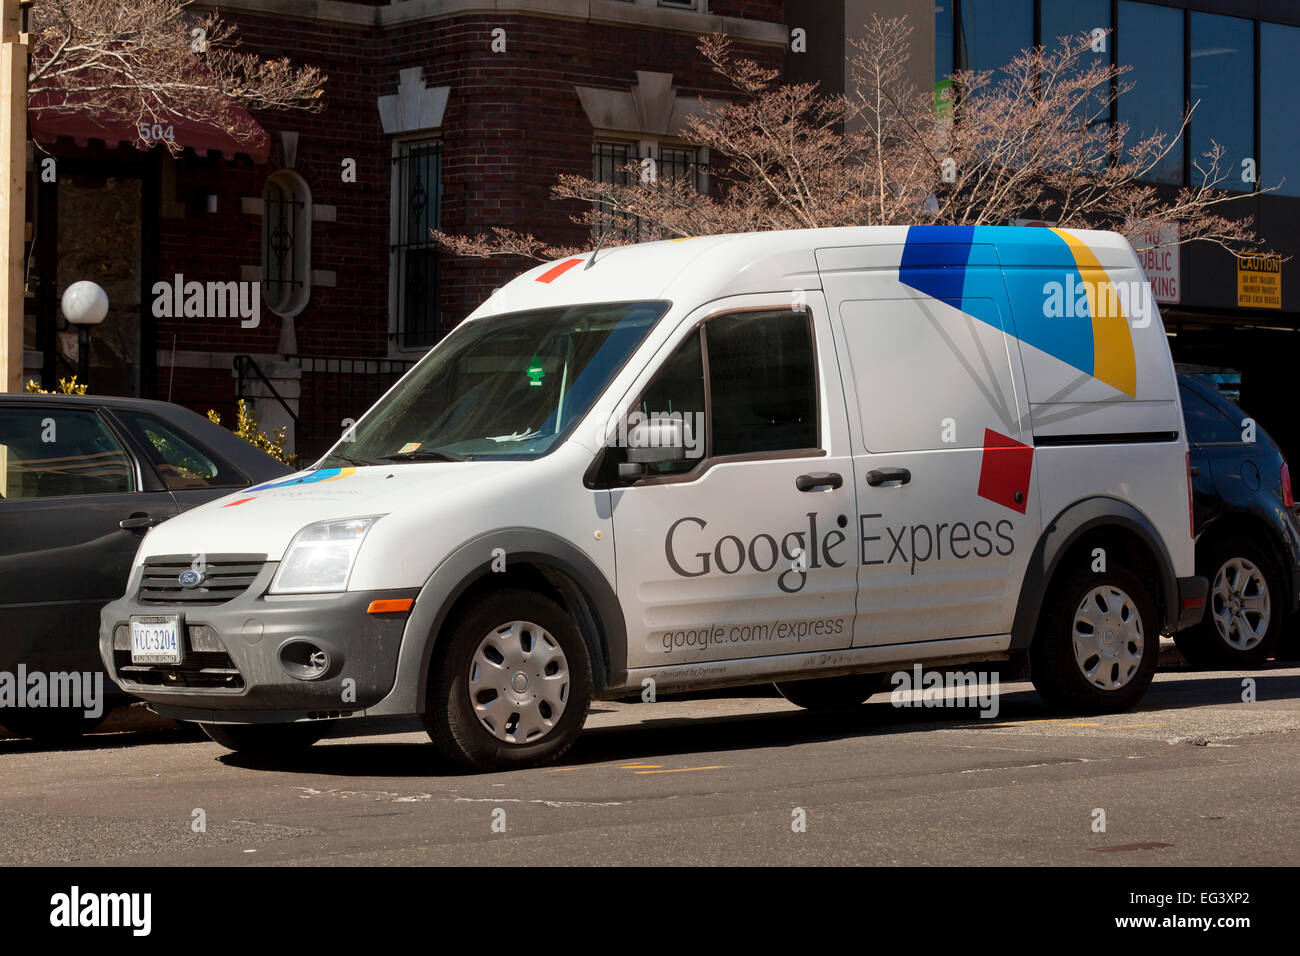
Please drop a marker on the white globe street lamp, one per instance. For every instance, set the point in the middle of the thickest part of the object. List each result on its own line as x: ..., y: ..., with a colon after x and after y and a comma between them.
x: 84, y: 305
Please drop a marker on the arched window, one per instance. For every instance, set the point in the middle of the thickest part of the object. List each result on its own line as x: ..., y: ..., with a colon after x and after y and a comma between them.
x: 286, y: 243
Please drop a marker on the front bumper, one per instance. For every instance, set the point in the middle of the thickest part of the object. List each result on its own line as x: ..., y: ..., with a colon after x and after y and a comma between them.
x: 250, y: 658
x: 1192, y: 593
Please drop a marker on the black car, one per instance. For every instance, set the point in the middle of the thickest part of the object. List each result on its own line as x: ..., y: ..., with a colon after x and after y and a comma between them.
x: 1247, y: 533
x: 82, y: 479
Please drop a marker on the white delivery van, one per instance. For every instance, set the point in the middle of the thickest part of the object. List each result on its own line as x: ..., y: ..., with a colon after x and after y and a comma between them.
x: 807, y: 457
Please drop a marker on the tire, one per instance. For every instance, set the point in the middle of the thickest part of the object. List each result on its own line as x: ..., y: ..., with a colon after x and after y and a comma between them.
x: 1097, y: 649
x: 268, y: 740
x: 485, y: 707
x: 831, y: 693
x: 1244, y: 616
x: 52, y: 726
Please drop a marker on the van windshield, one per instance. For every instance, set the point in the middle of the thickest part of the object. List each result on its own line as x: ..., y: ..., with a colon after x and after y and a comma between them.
x: 508, y: 386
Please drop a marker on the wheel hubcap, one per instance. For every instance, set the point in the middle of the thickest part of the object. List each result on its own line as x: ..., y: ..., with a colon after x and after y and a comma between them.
x: 1108, y: 637
x: 1240, y: 604
x: 519, y: 682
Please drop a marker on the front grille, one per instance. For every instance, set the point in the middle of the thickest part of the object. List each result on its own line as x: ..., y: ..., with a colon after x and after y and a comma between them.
x: 210, y: 669
x: 225, y: 576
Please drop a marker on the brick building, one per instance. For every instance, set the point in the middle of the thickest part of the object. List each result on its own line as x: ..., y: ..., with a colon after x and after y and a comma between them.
x: 457, y: 113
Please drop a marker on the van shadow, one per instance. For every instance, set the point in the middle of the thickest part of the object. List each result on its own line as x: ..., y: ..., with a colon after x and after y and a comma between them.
x: 101, y: 740
x: 655, y: 737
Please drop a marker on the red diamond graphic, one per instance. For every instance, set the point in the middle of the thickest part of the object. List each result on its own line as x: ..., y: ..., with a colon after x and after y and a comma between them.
x: 1005, y: 471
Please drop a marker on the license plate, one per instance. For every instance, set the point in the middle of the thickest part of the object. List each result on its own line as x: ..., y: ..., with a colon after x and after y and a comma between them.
x: 156, y: 639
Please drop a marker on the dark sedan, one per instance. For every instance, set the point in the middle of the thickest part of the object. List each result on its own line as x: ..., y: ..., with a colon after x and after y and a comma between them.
x: 1247, y: 534
x: 82, y: 480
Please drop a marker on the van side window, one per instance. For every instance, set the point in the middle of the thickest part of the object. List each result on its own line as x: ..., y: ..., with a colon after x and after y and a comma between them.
x: 678, y: 389
x: 1206, y: 425
x: 762, y: 382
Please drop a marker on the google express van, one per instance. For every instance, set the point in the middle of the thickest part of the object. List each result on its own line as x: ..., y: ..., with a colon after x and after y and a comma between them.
x: 807, y: 457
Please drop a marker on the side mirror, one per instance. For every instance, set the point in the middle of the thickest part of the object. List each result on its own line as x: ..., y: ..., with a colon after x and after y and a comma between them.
x: 654, y: 441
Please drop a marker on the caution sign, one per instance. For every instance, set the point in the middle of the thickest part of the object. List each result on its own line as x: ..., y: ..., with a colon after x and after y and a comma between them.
x: 1259, y: 282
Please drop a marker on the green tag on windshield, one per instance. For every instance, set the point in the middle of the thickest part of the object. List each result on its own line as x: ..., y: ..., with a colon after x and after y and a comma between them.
x: 535, y: 371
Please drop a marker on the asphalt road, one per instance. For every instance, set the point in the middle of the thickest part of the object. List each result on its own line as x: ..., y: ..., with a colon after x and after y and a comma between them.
x: 1194, y: 776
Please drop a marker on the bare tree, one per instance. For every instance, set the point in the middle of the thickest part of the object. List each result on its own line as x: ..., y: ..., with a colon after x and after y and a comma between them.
x: 1035, y: 143
x: 154, y: 62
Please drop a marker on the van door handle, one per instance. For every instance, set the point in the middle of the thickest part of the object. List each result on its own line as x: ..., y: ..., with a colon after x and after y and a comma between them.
x: 138, y: 522
x: 822, y: 479
x: 880, y: 476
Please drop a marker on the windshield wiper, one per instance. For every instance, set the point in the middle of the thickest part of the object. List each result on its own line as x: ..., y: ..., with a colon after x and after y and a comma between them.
x: 359, y: 461
x: 426, y: 454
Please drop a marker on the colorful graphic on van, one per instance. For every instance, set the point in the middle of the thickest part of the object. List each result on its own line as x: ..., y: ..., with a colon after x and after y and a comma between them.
x: 311, y: 478
x: 943, y: 261
x: 1006, y: 468
x: 553, y: 273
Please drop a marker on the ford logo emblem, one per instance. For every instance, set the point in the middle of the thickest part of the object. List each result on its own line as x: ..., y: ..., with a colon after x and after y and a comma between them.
x: 190, y: 578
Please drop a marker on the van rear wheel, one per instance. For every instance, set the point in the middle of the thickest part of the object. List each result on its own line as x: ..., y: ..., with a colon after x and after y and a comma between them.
x: 1097, y: 649
x: 510, y: 685
x: 831, y: 693
x: 268, y: 740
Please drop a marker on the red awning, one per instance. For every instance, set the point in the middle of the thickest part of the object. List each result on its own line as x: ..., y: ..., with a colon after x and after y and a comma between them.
x: 252, y: 140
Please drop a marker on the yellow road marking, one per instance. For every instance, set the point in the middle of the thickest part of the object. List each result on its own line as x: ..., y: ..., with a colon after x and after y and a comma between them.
x: 685, y: 769
x: 642, y: 766
x: 1127, y: 726
x: 1081, y: 725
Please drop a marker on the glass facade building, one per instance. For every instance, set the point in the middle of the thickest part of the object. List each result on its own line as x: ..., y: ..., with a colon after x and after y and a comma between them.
x: 1229, y: 68
x: 1227, y: 61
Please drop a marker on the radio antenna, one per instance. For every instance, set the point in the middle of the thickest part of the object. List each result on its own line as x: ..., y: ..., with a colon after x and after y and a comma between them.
x: 599, y: 242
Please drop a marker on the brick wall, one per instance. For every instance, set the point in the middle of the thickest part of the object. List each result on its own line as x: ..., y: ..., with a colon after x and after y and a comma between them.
x: 513, y: 122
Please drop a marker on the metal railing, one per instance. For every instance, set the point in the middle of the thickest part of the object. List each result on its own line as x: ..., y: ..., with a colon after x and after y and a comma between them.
x: 246, y: 365
x: 337, y: 390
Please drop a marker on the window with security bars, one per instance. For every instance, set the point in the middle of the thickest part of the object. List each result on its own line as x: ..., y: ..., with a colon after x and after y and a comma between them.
x: 417, y: 207
x: 654, y: 164
x: 286, y: 243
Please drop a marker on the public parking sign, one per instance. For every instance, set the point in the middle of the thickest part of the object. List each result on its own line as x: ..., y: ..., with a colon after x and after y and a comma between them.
x: 1158, y: 251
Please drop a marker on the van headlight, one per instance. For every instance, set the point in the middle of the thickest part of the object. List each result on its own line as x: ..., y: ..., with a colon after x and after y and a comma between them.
x: 320, y: 557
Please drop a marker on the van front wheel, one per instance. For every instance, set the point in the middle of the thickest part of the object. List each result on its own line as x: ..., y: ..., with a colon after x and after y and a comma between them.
x: 1098, y: 647
x: 511, y: 685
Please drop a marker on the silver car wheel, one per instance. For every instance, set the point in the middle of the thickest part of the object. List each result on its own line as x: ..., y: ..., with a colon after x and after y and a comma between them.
x: 1240, y: 604
x: 519, y: 682
x: 1108, y: 637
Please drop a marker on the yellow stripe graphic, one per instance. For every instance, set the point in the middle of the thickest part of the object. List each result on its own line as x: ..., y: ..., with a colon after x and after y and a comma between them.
x: 1112, y: 342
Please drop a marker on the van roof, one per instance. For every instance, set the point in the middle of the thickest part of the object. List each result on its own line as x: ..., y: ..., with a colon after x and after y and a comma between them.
x: 705, y: 268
